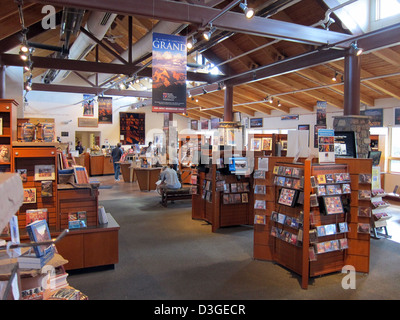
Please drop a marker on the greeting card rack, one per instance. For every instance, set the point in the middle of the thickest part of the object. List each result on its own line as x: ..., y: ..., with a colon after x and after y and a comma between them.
x: 305, y: 230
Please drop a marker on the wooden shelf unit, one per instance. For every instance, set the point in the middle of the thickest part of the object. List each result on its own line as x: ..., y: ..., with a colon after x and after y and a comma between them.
x: 296, y: 258
x: 215, y: 211
x: 27, y: 156
x: 8, y: 130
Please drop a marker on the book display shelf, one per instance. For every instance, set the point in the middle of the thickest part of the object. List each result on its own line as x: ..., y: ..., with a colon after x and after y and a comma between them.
x: 37, y: 165
x: 306, y: 216
x: 222, y: 199
x: 8, y: 133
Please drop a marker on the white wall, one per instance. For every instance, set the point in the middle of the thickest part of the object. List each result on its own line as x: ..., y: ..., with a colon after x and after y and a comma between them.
x: 66, y: 108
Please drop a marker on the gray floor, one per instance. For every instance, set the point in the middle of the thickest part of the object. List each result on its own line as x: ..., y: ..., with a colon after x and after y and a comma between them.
x: 165, y: 255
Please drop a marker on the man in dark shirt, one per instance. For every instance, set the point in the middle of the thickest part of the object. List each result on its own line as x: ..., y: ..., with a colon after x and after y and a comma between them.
x: 116, y: 154
x: 79, y: 147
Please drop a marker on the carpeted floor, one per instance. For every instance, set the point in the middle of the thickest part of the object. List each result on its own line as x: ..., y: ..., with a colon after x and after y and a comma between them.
x: 164, y: 254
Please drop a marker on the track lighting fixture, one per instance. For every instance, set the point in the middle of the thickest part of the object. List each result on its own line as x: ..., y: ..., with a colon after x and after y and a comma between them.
x: 249, y: 13
x: 191, y: 43
x: 28, y: 83
x: 279, y: 103
x: 204, y: 91
x: 270, y: 99
x: 207, y: 34
x: 334, y: 77
x: 28, y: 65
x: 356, y: 49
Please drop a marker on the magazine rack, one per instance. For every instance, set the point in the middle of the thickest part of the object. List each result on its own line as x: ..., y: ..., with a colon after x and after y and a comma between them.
x: 288, y: 234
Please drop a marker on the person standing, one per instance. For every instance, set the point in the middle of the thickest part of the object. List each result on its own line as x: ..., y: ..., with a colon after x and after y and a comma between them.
x: 116, y: 154
x: 79, y: 147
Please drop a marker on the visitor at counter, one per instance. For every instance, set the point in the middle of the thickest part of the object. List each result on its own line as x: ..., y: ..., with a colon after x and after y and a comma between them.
x: 169, y: 179
x: 79, y: 147
x: 116, y: 155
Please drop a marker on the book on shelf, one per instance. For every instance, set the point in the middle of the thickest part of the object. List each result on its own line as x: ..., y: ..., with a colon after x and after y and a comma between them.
x: 81, y: 175
x: 77, y: 220
x: 31, y: 261
x: 35, y: 215
x: 259, y: 219
x: 38, y: 231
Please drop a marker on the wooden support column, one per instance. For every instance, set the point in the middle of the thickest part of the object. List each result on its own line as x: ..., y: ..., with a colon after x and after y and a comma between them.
x: 351, y: 83
x: 2, y: 82
x: 228, y: 107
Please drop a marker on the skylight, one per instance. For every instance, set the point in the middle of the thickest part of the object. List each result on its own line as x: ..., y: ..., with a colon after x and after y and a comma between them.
x: 387, y: 8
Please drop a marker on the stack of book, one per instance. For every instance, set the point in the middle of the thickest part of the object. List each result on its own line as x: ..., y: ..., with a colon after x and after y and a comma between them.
x: 38, y: 232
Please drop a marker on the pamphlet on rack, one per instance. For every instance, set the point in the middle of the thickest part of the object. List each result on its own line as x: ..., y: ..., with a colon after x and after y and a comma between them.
x: 326, y: 146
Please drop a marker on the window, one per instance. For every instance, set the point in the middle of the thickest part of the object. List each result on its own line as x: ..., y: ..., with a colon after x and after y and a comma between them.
x: 394, y: 159
x: 387, y: 8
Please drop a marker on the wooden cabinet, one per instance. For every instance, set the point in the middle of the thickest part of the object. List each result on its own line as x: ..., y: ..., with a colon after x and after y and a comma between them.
x: 29, y: 155
x: 91, y: 247
x: 8, y: 133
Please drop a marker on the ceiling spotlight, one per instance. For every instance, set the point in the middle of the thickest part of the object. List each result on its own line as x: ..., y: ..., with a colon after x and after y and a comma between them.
x: 28, y: 84
x: 23, y: 55
x: 191, y: 43
x: 204, y: 91
x: 334, y: 77
x: 249, y: 13
x: 28, y: 65
x: 279, y: 103
x: 207, y: 34
x: 24, y: 48
x: 357, y: 50
x: 270, y: 99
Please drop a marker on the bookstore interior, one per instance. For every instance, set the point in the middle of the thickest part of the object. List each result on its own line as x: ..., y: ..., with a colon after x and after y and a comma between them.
x: 313, y: 178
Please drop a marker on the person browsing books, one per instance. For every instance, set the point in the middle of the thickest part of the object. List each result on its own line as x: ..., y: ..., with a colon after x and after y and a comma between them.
x: 116, y: 155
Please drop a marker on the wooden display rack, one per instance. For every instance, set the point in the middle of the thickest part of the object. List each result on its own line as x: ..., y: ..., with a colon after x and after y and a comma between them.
x: 213, y: 210
x: 296, y: 257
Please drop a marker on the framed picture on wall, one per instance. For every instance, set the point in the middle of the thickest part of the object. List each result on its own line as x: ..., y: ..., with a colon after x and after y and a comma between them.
x: 256, y: 144
x: 256, y: 122
x: 397, y: 116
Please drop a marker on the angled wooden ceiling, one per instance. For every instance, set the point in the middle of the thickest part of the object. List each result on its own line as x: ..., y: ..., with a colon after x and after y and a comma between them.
x: 290, y: 67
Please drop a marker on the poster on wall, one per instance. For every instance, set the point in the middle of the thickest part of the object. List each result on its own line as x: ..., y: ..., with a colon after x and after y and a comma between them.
x: 132, y: 127
x: 326, y: 145
x: 88, y: 105
x: 321, y: 113
x: 105, y: 109
x: 169, y: 73
x: 375, y: 116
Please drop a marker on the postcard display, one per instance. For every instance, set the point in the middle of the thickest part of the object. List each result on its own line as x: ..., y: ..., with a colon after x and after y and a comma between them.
x: 8, y: 133
x: 309, y: 221
x: 37, y: 166
x: 221, y: 199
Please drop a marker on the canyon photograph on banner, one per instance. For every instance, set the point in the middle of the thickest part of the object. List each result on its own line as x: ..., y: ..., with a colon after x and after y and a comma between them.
x: 169, y: 73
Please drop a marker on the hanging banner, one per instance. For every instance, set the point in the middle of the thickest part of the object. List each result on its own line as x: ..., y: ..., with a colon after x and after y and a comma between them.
x: 105, y: 109
x: 169, y: 73
x: 321, y: 113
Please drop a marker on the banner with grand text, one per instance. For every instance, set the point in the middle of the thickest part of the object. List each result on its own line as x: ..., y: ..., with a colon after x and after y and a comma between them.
x: 169, y: 73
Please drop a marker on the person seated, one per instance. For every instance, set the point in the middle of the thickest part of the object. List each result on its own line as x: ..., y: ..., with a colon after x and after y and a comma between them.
x: 169, y: 179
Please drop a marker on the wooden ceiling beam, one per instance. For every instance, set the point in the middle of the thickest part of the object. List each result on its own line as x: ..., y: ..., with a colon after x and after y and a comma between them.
x: 379, y: 84
x: 258, y: 86
x: 317, y: 94
x: 200, y: 15
x: 321, y: 79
